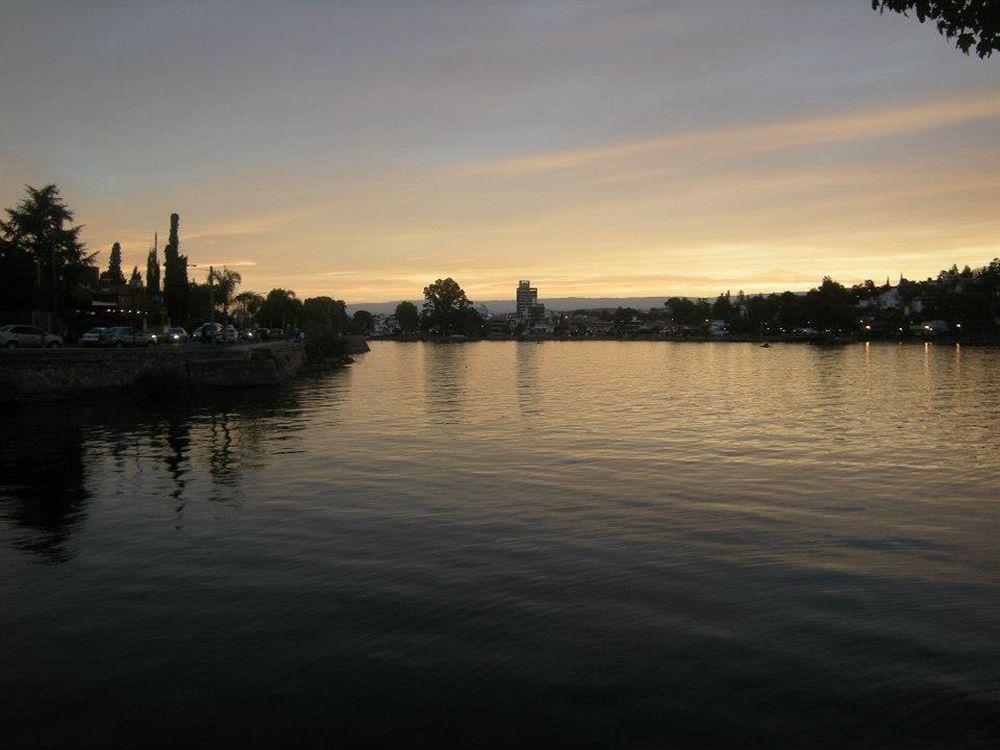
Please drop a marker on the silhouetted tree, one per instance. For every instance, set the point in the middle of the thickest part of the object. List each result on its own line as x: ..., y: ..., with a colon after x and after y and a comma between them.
x: 722, y: 308
x: 470, y: 322
x: 623, y: 316
x: 829, y: 306
x: 135, y: 280
x: 153, y: 271
x: 444, y: 300
x: 226, y: 281
x: 973, y: 24
x: 198, y: 300
x: 41, y: 254
x: 407, y: 317
x: 247, y: 306
x: 175, y: 279
x: 326, y: 315
x: 113, y: 276
x: 364, y: 321
x: 18, y: 277
x: 281, y: 308
x: 686, y: 311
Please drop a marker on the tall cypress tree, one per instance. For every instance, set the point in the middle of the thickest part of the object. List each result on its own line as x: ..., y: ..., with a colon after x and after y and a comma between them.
x: 153, y: 270
x: 175, y: 280
x: 114, y: 275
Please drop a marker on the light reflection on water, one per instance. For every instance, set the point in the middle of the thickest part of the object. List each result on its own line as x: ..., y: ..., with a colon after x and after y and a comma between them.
x: 606, y: 544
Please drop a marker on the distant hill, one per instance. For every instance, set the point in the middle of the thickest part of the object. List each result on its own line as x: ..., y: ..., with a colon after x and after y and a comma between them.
x: 501, y: 306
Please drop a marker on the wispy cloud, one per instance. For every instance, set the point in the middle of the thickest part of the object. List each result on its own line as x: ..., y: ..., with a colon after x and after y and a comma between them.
x: 756, y: 138
x: 228, y: 263
x: 244, y: 227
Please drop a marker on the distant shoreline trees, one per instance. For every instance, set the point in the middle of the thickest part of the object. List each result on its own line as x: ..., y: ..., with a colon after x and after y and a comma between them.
x: 407, y: 317
x: 445, y: 304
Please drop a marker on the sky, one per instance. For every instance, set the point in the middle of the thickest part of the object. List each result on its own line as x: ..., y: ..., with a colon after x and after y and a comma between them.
x: 362, y: 150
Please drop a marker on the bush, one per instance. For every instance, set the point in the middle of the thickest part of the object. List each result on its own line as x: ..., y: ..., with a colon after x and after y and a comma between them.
x: 323, y: 346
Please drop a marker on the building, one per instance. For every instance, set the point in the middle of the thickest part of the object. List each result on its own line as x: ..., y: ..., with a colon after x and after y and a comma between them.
x: 527, y: 297
x: 498, y: 327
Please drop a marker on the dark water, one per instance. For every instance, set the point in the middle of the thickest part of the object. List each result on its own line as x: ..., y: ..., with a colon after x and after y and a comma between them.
x: 510, y: 545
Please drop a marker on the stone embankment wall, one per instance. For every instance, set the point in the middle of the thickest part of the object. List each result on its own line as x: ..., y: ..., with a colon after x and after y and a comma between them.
x: 356, y: 344
x: 71, y: 372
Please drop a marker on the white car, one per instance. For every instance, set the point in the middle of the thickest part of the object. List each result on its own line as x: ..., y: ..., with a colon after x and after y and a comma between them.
x: 93, y: 337
x: 13, y: 336
x: 125, y: 336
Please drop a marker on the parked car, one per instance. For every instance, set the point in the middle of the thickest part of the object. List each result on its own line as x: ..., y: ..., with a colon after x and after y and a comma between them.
x: 93, y: 337
x: 13, y: 336
x: 228, y: 335
x: 174, y: 335
x: 207, y: 332
x: 124, y: 336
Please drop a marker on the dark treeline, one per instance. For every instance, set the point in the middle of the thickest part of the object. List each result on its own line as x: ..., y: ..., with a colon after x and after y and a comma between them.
x: 955, y: 301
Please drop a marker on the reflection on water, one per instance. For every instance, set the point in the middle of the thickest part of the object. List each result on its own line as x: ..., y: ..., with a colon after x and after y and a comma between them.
x: 602, y: 544
x: 42, y: 481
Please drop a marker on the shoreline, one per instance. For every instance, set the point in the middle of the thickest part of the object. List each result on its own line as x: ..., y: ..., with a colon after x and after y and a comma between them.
x: 984, y: 341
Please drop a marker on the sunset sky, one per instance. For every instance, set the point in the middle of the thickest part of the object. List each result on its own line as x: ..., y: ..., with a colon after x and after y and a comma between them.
x: 599, y: 149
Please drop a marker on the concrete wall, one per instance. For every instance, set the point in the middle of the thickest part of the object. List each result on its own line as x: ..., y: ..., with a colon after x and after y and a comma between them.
x: 71, y: 372
x: 356, y: 344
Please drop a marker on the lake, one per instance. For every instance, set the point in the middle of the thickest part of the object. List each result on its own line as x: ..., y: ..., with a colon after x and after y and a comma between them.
x: 601, y: 544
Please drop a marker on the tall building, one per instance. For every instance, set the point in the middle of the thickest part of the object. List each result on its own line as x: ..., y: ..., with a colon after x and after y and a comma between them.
x: 527, y: 297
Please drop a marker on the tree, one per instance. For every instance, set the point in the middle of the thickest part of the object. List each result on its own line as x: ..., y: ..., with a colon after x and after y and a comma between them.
x: 135, y: 280
x: 325, y: 315
x: 17, y: 277
x: 623, y: 316
x: 247, y: 306
x: 153, y: 270
x: 226, y: 281
x: 829, y: 307
x: 41, y: 254
x: 198, y: 299
x: 114, y: 276
x: 364, y: 321
x: 971, y: 23
x: 175, y: 280
x: 280, y: 308
x: 444, y: 301
x: 686, y: 311
x: 470, y: 322
x: 722, y: 308
x: 407, y: 317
